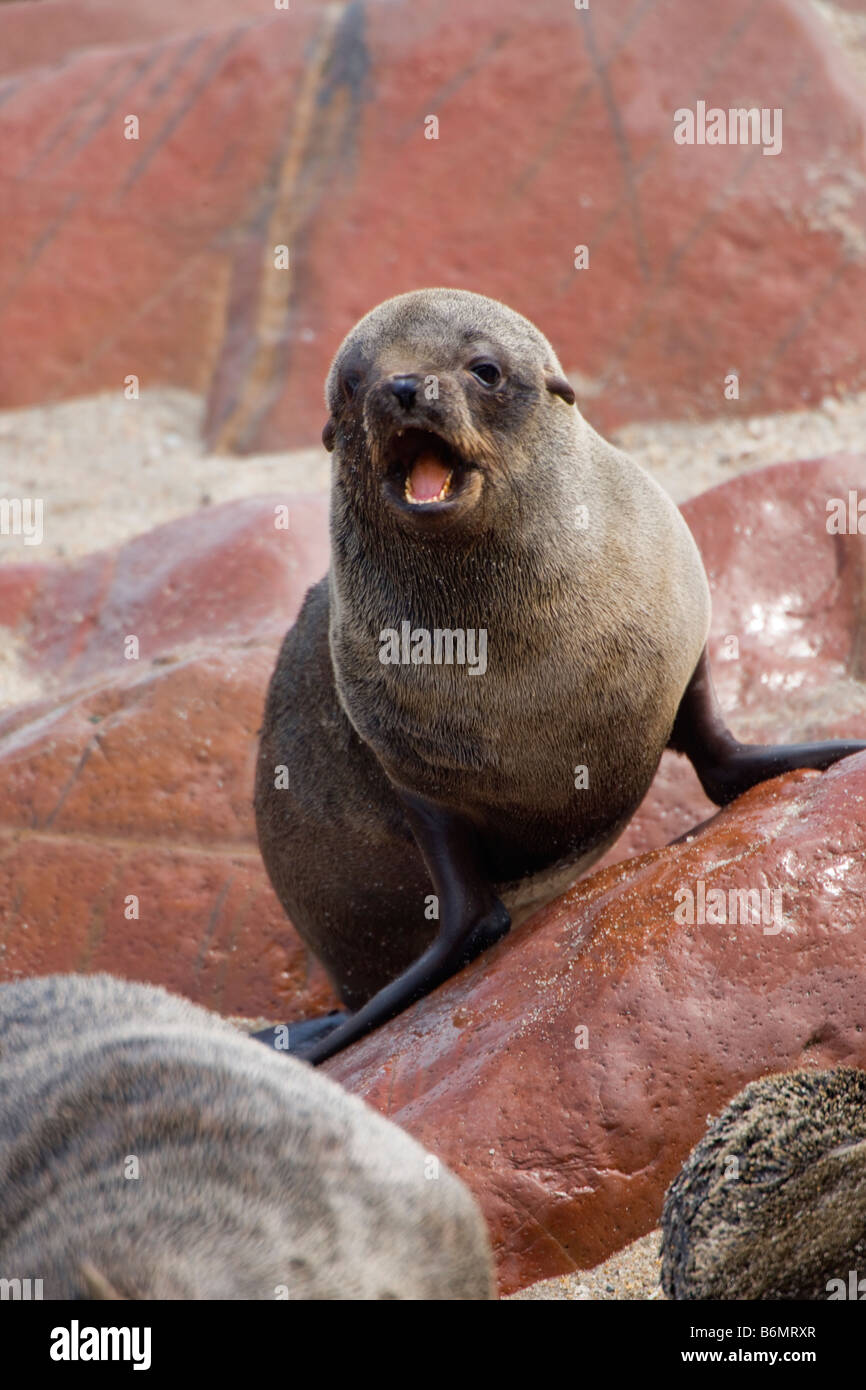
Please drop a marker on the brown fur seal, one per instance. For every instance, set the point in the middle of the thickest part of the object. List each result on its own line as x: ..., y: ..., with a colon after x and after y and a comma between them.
x: 256, y: 1177
x: 475, y: 514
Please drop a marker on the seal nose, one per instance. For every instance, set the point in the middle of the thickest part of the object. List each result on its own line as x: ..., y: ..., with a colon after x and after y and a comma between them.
x: 405, y: 388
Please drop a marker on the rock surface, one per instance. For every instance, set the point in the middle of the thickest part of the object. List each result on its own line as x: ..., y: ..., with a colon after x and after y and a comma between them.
x: 772, y: 1202
x: 570, y: 1138
x: 305, y: 128
x: 134, y: 777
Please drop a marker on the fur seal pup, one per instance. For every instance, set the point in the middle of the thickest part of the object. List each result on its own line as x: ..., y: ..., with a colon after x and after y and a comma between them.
x: 474, y: 514
x: 256, y: 1177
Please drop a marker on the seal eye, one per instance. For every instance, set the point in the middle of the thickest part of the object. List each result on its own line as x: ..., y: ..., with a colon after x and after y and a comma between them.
x: 488, y: 372
x: 351, y: 382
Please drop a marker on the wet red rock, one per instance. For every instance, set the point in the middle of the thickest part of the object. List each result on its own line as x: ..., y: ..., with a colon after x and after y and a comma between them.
x: 570, y: 1150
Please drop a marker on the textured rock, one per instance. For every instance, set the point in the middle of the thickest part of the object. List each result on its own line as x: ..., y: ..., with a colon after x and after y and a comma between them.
x: 772, y: 1202
x: 134, y: 777
x: 570, y: 1149
x: 306, y: 129
x: 52, y: 31
x: 118, y: 253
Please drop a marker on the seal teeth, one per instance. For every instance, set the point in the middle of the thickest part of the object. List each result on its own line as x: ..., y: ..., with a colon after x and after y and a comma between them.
x: 425, y: 501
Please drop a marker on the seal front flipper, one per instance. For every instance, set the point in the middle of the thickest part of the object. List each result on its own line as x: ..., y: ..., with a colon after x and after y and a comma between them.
x: 726, y: 767
x: 471, y: 918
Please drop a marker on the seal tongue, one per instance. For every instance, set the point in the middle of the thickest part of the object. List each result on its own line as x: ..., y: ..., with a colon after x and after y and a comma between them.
x: 427, y: 479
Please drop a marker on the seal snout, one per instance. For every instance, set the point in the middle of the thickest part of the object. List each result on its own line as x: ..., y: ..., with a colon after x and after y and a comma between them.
x: 405, y: 388
x: 420, y: 447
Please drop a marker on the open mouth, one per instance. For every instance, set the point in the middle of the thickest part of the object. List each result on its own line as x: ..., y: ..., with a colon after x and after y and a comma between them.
x: 423, y: 470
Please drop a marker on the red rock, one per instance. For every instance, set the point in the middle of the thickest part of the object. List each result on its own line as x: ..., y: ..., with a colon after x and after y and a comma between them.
x: 135, y: 777
x: 306, y: 128
x: 53, y: 30
x: 570, y: 1151
x: 117, y: 254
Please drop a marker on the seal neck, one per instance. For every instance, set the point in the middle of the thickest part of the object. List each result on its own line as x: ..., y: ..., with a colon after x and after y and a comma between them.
x: 382, y: 573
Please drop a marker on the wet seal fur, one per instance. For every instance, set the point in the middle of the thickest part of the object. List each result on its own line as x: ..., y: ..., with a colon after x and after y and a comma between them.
x: 469, y: 493
x: 259, y: 1178
x: 771, y: 1203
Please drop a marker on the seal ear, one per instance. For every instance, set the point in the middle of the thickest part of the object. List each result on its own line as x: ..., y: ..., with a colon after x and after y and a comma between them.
x: 558, y: 386
x: 329, y: 435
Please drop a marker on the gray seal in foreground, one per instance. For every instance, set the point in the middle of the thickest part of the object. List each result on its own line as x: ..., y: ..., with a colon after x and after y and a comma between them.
x: 771, y: 1203
x: 474, y: 700
x: 149, y: 1150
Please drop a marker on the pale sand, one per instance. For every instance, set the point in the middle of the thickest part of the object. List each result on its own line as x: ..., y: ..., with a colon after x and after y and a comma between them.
x: 633, y: 1273
x: 108, y: 469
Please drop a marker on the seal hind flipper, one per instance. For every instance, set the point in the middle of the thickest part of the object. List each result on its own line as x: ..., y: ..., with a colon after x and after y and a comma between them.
x: 727, y: 768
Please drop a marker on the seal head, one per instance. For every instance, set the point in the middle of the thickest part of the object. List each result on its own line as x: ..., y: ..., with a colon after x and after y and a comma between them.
x: 427, y: 395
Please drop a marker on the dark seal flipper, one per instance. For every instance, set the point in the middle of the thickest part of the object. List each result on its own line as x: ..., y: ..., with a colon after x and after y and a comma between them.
x: 471, y: 918
x: 726, y: 767
x: 298, y: 1038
